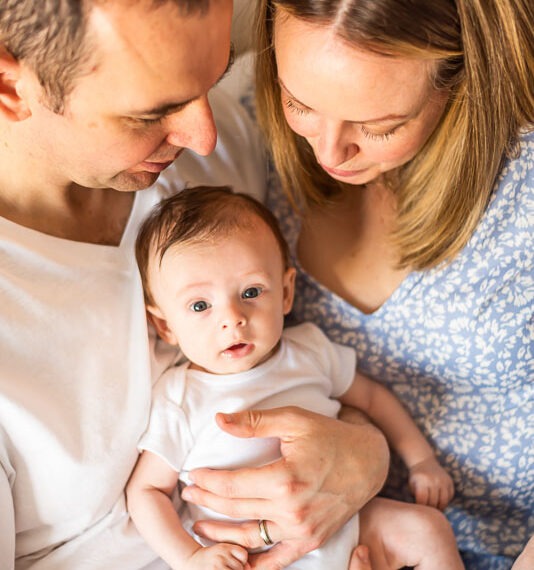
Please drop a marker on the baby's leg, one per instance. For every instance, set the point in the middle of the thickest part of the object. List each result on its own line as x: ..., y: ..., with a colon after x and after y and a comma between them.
x: 404, y: 534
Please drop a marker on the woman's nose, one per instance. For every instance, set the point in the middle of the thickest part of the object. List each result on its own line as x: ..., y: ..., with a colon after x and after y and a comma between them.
x: 334, y: 145
x: 193, y: 127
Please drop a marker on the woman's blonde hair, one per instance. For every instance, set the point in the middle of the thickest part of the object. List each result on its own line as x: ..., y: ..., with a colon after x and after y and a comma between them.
x: 484, y: 58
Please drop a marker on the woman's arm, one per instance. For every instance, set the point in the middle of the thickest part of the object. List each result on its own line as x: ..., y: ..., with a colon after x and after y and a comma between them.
x: 7, y: 523
x: 328, y: 470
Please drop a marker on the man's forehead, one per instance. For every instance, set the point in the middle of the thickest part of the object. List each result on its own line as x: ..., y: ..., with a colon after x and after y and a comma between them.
x: 139, y: 45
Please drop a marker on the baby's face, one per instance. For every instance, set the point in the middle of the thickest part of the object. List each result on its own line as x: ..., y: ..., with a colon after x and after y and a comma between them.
x: 224, y: 302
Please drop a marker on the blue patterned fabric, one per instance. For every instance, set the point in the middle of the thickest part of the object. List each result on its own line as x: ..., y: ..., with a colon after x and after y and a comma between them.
x: 455, y: 345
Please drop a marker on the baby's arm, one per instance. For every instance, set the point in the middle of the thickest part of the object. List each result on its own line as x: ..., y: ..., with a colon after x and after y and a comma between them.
x: 429, y: 482
x: 148, y: 494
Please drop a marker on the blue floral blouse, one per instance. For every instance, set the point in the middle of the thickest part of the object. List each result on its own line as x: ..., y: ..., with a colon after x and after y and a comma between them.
x: 455, y: 345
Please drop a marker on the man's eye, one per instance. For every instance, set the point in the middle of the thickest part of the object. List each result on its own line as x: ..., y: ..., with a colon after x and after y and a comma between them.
x: 199, y: 306
x: 251, y: 292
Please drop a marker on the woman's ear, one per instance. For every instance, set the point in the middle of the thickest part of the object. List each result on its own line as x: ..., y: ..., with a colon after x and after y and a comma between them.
x: 289, y: 289
x: 156, y: 317
x: 13, y: 106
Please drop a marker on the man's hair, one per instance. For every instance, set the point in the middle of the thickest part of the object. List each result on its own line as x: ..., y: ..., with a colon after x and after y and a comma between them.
x: 51, y: 37
x: 484, y: 57
x: 197, y: 215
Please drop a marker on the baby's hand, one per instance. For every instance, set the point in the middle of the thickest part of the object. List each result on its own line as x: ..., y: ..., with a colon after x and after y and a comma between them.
x: 430, y: 484
x: 218, y: 557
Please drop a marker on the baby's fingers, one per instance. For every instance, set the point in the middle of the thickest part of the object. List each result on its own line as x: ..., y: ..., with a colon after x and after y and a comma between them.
x: 419, y: 491
x: 229, y: 557
x: 446, y: 494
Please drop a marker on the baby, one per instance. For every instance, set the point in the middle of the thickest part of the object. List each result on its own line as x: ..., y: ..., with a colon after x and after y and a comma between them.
x: 218, y: 282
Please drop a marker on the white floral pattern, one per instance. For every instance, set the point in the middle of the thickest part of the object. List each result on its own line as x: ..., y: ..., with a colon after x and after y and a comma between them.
x: 455, y: 345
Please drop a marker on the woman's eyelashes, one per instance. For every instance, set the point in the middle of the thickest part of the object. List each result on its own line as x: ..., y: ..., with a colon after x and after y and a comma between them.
x: 378, y: 136
x: 294, y: 107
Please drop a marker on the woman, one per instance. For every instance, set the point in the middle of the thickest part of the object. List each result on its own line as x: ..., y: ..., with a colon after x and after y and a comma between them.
x: 402, y: 134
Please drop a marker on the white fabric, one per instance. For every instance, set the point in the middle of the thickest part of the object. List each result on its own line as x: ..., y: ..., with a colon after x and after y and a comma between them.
x: 307, y: 371
x: 75, y: 374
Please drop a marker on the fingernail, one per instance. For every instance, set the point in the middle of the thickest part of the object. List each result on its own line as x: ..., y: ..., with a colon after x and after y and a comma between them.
x: 227, y: 418
x: 186, y: 494
x: 198, y: 530
x: 363, y: 554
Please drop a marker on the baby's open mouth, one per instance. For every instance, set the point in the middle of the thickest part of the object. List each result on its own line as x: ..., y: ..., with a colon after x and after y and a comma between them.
x: 238, y: 350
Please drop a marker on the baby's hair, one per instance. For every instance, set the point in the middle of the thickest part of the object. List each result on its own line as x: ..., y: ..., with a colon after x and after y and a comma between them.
x: 195, y: 215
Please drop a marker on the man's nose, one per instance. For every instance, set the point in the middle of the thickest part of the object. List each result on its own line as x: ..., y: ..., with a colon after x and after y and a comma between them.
x: 193, y: 127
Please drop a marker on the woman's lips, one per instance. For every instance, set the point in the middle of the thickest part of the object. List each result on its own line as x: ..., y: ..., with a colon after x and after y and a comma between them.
x: 342, y: 173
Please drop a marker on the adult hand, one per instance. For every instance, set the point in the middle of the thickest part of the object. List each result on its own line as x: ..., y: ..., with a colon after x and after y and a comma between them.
x: 327, y: 471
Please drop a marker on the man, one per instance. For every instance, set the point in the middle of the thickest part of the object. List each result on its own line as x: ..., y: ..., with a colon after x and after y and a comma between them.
x: 97, y: 99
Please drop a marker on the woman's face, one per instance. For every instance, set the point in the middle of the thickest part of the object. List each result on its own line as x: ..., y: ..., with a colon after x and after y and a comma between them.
x: 362, y: 113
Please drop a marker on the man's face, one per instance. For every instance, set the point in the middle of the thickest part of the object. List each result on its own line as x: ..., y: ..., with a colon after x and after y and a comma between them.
x: 142, y: 100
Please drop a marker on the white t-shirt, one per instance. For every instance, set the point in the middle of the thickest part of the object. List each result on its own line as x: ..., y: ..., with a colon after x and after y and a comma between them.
x: 308, y: 371
x: 75, y: 373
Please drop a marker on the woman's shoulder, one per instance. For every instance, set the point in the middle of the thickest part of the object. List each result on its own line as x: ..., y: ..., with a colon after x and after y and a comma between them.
x: 520, y: 164
x: 511, y: 203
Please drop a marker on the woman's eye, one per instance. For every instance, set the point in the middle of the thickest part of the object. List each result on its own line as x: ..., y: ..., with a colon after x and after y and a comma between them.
x: 251, y: 292
x: 378, y: 136
x: 293, y: 107
x: 199, y: 306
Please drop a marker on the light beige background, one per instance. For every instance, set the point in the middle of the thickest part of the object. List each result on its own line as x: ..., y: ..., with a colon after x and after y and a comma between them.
x: 242, y: 24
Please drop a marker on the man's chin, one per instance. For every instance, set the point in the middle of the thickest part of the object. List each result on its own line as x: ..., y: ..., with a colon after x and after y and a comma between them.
x: 131, y: 182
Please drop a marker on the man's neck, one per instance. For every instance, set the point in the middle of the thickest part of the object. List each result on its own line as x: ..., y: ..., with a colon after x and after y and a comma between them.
x: 78, y: 214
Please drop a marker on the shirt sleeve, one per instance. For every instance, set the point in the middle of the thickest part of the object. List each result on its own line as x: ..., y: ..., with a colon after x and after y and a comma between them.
x: 335, y: 361
x: 168, y: 434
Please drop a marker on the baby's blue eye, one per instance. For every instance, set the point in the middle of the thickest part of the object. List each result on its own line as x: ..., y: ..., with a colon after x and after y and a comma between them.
x: 199, y: 306
x: 251, y: 292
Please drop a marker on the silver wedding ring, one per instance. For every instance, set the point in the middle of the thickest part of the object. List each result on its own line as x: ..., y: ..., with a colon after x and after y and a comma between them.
x: 263, y: 532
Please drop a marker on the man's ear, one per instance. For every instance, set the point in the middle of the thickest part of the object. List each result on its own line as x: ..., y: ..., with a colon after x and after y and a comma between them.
x: 289, y: 288
x: 12, y: 105
x: 157, y: 318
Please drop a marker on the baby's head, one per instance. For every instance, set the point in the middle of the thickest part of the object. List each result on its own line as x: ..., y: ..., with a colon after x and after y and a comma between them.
x: 216, y: 275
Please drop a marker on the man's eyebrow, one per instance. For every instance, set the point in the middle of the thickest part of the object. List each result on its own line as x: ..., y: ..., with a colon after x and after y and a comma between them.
x: 170, y: 108
x: 385, y: 118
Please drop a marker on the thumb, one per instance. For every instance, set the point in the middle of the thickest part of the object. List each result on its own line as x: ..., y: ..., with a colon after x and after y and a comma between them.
x: 360, y: 559
x: 277, y: 422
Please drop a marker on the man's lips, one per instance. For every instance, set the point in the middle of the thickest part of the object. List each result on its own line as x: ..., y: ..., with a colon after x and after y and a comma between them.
x: 155, y: 166
x: 238, y: 350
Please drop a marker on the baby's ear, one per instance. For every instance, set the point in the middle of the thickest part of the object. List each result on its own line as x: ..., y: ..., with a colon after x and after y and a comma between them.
x: 289, y: 288
x: 13, y: 106
x: 156, y: 317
